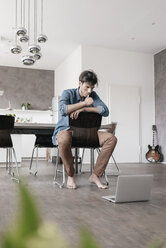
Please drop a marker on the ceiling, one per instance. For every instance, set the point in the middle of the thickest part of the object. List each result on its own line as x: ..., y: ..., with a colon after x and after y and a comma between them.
x: 133, y: 25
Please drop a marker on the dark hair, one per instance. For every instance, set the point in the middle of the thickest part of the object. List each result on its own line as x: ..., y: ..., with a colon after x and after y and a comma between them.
x: 88, y: 76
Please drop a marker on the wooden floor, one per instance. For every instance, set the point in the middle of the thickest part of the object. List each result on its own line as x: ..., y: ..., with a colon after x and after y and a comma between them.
x: 129, y: 225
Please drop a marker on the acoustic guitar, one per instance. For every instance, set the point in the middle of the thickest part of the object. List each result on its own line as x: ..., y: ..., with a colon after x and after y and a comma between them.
x: 154, y: 154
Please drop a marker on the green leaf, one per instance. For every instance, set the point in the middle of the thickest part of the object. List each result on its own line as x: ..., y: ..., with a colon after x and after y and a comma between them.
x: 158, y: 243
x: 48, y: 236
x: 26, y: 224
x: 87, y: 240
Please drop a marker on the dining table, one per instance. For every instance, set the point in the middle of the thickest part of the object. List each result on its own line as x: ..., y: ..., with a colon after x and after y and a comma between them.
x: 33, y: 128
x: 48, y: 128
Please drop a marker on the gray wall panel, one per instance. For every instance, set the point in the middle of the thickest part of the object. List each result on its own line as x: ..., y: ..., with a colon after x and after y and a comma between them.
x: 26, y: 85
x: 160, y: 98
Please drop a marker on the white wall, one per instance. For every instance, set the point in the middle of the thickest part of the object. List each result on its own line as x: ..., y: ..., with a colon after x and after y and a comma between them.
x: 67, y: 73
x: 125, y: 68
x: 113, y: 67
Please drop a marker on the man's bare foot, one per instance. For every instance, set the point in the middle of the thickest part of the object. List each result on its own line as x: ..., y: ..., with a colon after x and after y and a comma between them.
x: 71, y: 184
x: 95, y: 179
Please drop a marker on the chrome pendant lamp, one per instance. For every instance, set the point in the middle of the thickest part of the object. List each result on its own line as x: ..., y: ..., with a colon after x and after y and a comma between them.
x: 16, y: 49
x: 35, y: 48
x: 37, y: 56
x: 21, y: 31
x: 42, y: 37
x: 23, y: 36
x: 28, y: 59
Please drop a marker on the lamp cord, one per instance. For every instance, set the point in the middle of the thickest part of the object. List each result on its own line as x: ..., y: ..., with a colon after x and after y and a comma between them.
x: 35, y: 21
x: 16, y: 24
x: 21, y: 12
x: 23, y: 15
x: 29, y: 21
x: 41, y: 16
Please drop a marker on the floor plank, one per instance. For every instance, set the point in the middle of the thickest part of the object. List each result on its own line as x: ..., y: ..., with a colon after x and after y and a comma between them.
x: 114, y: 225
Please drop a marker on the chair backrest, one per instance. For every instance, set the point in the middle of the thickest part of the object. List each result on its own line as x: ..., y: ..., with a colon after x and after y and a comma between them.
x: 84, y: 130
x: 110, y: 128
x: 6, y: 122
x: 6, y: 127
x: 44, y: 140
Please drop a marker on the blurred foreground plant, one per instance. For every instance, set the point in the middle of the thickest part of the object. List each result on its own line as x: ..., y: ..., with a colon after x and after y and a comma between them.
x: 29, y: 231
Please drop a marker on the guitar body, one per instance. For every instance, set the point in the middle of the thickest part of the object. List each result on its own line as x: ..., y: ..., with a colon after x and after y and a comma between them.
x: 154, y: 155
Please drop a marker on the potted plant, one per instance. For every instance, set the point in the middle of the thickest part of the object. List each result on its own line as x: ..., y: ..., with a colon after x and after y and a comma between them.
x: 25, y: 105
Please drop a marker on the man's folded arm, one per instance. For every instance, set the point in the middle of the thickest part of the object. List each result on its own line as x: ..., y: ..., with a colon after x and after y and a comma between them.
x: 65, y: 107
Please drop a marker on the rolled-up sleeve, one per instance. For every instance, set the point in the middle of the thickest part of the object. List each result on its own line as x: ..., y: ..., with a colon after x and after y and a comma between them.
x: 102, y: 108
x: 63, y: 103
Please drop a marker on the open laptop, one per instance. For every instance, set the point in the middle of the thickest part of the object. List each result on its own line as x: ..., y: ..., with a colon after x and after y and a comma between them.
x: 131, y: 188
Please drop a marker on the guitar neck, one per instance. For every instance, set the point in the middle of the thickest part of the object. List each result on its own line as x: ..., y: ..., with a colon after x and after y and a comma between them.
x: 154, y: 135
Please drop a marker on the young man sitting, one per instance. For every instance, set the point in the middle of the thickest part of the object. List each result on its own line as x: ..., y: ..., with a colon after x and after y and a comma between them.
x: 72, y: 102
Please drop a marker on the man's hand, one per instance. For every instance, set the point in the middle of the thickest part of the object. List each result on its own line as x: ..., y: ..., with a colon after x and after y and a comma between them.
x: 88, y: 101
x: 71, y: 108
x: 74, y: 115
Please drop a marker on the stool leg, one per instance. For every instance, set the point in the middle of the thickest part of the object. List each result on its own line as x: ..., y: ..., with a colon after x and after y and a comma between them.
x: 9, y: 162
x: 7, y: 158
x: 115, y: 163
x: 76, y: 160
x: 31, y: 159
x: 30, y: 167
x: 36, y: 161
x: 16, y: 164
x: 82, y: 157
x: 106, y: 178
x: 63, y: 171
x: 56, y: 172
x: 91, y: 160
x: 56, y: 166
